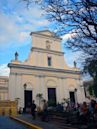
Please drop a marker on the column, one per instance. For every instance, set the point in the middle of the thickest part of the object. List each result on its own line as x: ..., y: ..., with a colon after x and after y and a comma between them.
x: 40, y: 88
x: 43, y: 88
x: 60, y: 90
x: 19, y: 91
x: 65, y: 89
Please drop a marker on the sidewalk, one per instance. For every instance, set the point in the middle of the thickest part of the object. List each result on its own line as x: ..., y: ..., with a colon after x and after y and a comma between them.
x: 38, y: 122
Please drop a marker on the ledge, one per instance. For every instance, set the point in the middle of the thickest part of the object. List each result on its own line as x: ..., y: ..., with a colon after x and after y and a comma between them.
x: 21, y: 66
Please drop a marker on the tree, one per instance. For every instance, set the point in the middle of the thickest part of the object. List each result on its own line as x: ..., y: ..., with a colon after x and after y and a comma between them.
x: 91, y: 90
x: 90, y: 67
x: 78, y: 18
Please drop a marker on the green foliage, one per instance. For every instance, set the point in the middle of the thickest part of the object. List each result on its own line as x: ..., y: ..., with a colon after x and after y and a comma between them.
x: 91, y: 90
x: 95, y: 86
x: 39, y: 95
x: 90, y: 66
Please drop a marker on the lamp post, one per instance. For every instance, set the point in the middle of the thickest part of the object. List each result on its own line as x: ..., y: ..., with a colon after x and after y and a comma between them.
x: 75, y: 90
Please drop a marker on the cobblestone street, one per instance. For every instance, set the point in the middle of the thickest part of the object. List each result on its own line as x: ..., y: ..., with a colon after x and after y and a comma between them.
x: 7, y: 123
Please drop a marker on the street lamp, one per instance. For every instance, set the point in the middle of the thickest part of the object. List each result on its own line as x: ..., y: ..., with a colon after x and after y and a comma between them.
x: 25, y: 85
x: 75, y: 90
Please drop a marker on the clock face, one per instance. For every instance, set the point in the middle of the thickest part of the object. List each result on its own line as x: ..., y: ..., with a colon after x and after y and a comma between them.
x: 48, y: 44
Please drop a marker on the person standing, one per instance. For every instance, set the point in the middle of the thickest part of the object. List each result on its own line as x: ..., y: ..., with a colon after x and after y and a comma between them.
x: 45, y: 111
x: 33, y: 108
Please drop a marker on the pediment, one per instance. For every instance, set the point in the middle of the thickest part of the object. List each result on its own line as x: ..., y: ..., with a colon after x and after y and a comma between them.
x: 44, y: 32
x: 47, y: 32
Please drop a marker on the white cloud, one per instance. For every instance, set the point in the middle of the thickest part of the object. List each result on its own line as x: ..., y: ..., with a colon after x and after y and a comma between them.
x: 9, y: 30
x: 66, y: 36
x: 43, y: 22
x: 11, y: 33
x: 23, y: 36
x: 70, y: 56
x: 69, y: 35
x: 4, y: 70
x: 16, y: 26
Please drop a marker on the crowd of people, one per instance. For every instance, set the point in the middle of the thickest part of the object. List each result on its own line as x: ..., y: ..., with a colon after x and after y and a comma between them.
x: 85, y: 112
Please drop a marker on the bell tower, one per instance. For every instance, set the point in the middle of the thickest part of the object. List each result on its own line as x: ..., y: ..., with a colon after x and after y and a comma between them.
x: 46, y: 50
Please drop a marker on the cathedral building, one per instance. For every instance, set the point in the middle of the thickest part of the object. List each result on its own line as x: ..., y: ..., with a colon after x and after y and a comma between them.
x: 44, y: 72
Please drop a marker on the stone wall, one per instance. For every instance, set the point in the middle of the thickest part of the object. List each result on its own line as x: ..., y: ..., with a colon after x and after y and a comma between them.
x: 8, y: 108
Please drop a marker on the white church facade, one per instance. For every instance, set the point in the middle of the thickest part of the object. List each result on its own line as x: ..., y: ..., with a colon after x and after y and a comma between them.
x: 44, y: 72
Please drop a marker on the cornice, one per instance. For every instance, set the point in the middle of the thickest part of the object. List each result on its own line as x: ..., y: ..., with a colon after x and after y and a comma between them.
x: 46, y: 51
x: 46, y: 36
x: 20, y: 66
x: 45, y: 75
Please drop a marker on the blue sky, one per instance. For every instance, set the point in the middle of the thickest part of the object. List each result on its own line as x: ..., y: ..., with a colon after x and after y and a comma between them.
x: 16, y: 23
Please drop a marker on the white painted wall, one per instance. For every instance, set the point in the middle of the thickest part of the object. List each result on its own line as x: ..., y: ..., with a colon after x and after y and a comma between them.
x: 38, y: 81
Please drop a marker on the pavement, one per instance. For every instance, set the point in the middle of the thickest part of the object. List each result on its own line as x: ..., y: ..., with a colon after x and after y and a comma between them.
x: 7, y: 123
x: 25, y: 121
x: 38, y: 122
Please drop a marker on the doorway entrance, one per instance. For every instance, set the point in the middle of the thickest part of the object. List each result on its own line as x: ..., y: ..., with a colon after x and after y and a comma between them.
x: 72, y: 97
x: 52, y: 96
x: 27, y: 99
